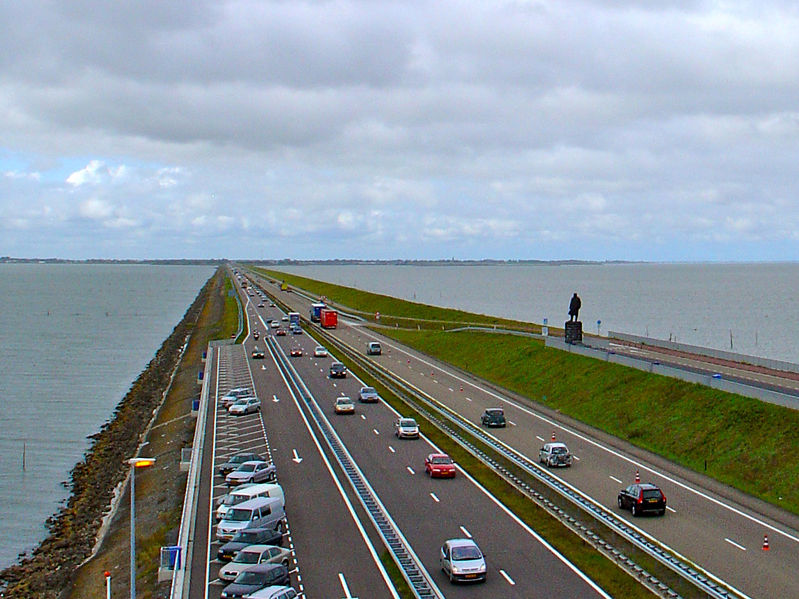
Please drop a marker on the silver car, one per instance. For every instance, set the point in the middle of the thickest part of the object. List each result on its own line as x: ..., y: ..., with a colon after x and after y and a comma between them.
x: 406, y: 428
x: 251, y: 472
x: 255, y: 554
x: 462, y: 560
x: 245, y: 405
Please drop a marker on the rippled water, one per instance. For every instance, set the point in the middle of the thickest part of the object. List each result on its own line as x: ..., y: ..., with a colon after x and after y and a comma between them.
x: 73, y: 337
x: 746, y: 308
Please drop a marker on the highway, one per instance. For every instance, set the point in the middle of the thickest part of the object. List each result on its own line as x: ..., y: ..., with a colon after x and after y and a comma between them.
x: 335, y: 545
x: 719, y: 529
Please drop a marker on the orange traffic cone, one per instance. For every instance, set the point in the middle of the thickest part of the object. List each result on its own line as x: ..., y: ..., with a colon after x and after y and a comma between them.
x: 461, y: 387
x: 553, y: 436
x: 637, y: 476
x: 765, y: 543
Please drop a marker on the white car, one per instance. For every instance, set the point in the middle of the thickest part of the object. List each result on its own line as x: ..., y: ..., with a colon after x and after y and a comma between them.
x: 406, y: 428
x: 255, y: 554
x: 274, y: 592
x: 245, y: 405
x: 320, y: 352
x: 462, y: 560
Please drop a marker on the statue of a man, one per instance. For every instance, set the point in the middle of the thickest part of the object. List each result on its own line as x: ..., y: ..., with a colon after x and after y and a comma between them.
x: 574, y: 307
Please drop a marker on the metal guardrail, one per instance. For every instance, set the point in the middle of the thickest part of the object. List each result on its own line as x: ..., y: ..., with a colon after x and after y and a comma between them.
x: 444, y: 416
x: 409, y: 564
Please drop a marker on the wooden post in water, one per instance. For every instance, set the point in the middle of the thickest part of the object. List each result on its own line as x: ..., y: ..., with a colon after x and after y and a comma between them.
x: 23, y: 455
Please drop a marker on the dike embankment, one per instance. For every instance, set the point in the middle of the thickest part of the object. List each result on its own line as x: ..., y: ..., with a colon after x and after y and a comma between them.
x: 50, y: 569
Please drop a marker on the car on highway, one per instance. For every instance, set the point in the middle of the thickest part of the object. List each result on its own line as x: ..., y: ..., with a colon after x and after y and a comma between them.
x: 254, y: 554
x: 439, y: 465
x: 338, y: 370
x: 256, y: 578
x: 256, y: 335
x: 275, y: 592
x: 247, y: 537
x: 368, y: 395
x: 555, y: 454
x: 373, y: 349
x: 319, y: 352
x: 245, y: 405
x: 493, y: 417
x: 462, y: 561
x: 251, y: 472
x: 261, y: 305
x: 295, y: 352
x: 296, y: 330
x: 271, y: 304
x: 237, y: 460
x: 406, y: 428
x: 344, y: 405
x: 274, y: 324
x: 284, y: 318
x: 257, y: 353
x: 641, y: 498
x: 281, y: 332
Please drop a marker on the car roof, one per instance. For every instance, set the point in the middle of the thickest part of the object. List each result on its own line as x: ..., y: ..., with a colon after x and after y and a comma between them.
x: 557, y: 444
x: 437, y: 455
x: 343, y: 398
x: 461, y: 543
x: 648, y: 486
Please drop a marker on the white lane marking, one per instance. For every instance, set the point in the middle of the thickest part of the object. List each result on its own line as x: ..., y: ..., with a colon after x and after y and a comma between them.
x: 617, y: 480
x: 508, y: 578
x: 576, y: 458
x: 671, y: 509
x: 275, y: 399
x: 363, y: 416
x: 540, y: 439
x: 377, y: 432
x: 466, y: 532
x: 436, y: 499
x: 511, y: 422
x: 344, y: 586
x: 296, y: 458
x: 409, y: 469
x: 391, y: 449
x: 734, y: 544
x: 468, y: 399
x: 451, y: 389
x: 613, y: 452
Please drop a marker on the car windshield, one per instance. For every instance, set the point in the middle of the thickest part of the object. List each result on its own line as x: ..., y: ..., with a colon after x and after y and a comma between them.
x: 495, y: 412
x: 651, y: 494
x: 237, y: 515
x: 246, y: 536
x: 240, y: 402
x: 247, y: 468
x: 247, y: 557
x: 441, y: 460
x: 251, y: 578
x: 367, y: 390
x: 233, y: 500
x: 343, y: 400
x: 407, y: 422
x: 465, y: 553
x: 559, y: 450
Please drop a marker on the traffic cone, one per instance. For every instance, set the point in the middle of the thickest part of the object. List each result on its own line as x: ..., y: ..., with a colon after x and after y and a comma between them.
x: 553, y: 436
x: 765, y: 543
x: 637, y: 476
x: 461, y: 387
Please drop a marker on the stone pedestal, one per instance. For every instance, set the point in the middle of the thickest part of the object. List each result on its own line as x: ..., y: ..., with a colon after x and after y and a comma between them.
x: 574, y: 331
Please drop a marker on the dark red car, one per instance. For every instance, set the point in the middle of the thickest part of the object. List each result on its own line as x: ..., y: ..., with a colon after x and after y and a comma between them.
x: 439, y: 465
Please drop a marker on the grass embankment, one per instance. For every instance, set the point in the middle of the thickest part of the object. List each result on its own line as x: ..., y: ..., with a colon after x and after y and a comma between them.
x: 748, y: 444
x: 394, y: 311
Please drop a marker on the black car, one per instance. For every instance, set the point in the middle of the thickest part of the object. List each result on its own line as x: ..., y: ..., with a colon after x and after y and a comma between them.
x: 249, y: 536
x: 338, y: 370
x: 641, y: 498
x: 493, y: 417
x: 255, y: 578
x: 237, y: 460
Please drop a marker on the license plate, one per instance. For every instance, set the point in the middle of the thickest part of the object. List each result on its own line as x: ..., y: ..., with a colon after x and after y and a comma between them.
x: 471, y: 576
x: 652, y: 500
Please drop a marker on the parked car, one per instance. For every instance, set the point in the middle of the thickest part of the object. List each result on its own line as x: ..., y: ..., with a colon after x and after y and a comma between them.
x: 255, y: 578
x: 462, y: 560
x: 251, y: 472
x: 228, y: 401
x: 237, y: 460
x: 493, y: 417
x: 406, y: 428
x: 555, y: 454
x: 275, y: 592
x: 338, y: 370
x: 344, y: 405
x: 246, y: 537
x: 368, y: 395
x: 373, y: 349
x: 245, y: 405
x: 641, y: 498
x: 439, y: 465
x: 295, y: 352
x: 257, y: 353
x: 320, y: 352
x: 232, y: 395
x: 254, y: 554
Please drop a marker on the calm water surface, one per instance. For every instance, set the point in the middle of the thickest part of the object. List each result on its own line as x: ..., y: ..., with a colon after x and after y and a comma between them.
x: 73, y: 339
x: 751, y: 308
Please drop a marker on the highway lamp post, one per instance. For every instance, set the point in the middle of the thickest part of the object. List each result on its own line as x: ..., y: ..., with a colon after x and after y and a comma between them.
x: 134, y: 463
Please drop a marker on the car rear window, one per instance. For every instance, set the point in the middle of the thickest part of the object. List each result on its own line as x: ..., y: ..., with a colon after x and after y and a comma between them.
x: 651, y: 494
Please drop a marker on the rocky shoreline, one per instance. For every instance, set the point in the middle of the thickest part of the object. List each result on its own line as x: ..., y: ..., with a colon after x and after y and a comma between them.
x: 74, y: 529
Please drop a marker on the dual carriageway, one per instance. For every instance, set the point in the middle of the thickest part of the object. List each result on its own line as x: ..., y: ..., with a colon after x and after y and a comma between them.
x: 336, y: 540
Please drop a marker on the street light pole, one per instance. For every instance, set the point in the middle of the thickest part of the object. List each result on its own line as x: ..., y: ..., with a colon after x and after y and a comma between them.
x: 134, y: 463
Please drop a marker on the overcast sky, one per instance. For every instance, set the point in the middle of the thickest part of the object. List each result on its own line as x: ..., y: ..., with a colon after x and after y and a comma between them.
x: 434, y: 129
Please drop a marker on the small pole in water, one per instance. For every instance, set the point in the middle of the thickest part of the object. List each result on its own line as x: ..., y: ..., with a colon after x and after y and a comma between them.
x: 23, y: 455
x: 730, y: 338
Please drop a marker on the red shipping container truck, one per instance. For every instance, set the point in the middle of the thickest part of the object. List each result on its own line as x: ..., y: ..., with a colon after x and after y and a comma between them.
x: 328, y: 318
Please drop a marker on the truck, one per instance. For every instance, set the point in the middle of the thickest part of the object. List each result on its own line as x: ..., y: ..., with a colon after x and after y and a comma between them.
x: 294, y: 318
x: 328, y: 318
x: 316, y: 310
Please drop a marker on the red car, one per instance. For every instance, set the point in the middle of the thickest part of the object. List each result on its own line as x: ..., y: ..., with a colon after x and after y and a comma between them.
x: 439, y: 465
x: 280, y: 332
x: 296, y: 352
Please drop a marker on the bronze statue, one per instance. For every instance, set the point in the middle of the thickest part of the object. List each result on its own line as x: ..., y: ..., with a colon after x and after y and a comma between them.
x: 574, y: 307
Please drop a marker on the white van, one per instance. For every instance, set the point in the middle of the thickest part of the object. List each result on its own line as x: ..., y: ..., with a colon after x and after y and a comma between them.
x: 373, y: 349
x: 241, y: 495
x: 261, y: 512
